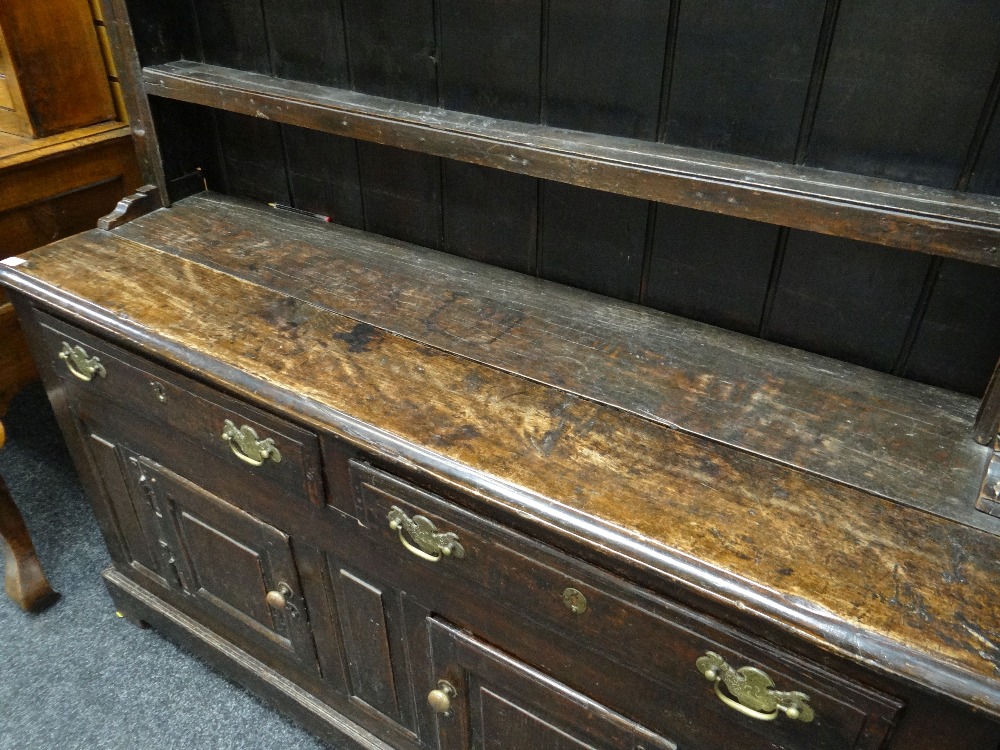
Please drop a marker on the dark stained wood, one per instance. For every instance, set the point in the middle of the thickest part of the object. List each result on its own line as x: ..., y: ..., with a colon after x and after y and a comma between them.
x: 232, y: 33
x: 915, y: 118
x: 490, y: 216
x: 391, y: 48
x: 471, y: 52
x: 589, y: 85
x: 507, y: 704
x: 836, y: 420
x: 741, y: 76
x: 957, y: 340
x: 323, y: 175
x: 591, y: 240
x: 710, y: 267
x: 852, y: 301
x: 986, y: 175
x: 366, y: 639
x: 526, y: 585
x: 253, y: 158
x: 402, y: 193
x: 865, y: 209
x: 695, y: 512
x: 306, y: 41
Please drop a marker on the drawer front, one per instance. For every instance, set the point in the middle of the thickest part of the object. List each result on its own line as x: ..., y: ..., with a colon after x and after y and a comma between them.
x: 211, y: 439
x: 476, y: 691
x: 664, y: 649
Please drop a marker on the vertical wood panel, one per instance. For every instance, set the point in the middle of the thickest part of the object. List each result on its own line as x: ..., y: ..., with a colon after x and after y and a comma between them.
x: 402, y: 193
x: 164, y: 32
x: 491, y: 216
x: 986, y: 176
x: 741, y: 74
x: 846, y: 299
x: 489, y: 64
x: 605, y: 65
x: 253, y: 158
x: 490, y: 53
x: 188, y: 140
x: 391, y: 48
x: 958, y: 343
x: 593, y: 240
x: 323, y: 175
x: 710, y: 267
x: 904, y: 88
x: 232, y: 34
x: 307, y: 41
x: 366, y: 642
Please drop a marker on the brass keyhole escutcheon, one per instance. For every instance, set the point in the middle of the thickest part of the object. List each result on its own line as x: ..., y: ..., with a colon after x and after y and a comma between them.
x: 440, y: 698
x: 158, y: 391
x: 575, y: 601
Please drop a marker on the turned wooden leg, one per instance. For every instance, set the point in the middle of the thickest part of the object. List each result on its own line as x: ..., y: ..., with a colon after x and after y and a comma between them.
x: 24, y: 579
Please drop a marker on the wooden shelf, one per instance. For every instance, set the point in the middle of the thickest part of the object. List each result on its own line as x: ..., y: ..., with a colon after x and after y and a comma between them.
x: 884, y: 435
x: 941, y: 222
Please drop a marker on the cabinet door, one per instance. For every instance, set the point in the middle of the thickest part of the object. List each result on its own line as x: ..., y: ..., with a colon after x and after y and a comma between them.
x: 485, y: 700
x: 235, y: 570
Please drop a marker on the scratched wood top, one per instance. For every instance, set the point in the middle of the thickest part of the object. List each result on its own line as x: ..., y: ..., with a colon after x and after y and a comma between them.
x: 861, y: 574
x: 895, y: 438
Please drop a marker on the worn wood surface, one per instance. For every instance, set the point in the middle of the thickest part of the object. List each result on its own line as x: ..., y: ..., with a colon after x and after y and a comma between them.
x: 864, y: 576
x: 867, y: 209
x: 898, y: 439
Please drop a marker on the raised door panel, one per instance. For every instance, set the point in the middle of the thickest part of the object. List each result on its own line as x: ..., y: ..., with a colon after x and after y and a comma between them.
x: 235, y: 570
x: 497, y: 703
x: 130, y: 520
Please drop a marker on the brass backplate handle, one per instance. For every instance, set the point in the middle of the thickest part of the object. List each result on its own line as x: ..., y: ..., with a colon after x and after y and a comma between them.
x: 752, y: 691
x: 428, y: 543
x: 247, y: 446
x: 80, y: 364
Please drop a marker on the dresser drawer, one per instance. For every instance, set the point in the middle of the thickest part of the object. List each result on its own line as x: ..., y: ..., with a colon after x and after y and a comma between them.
x: 664, y: 649
x: 210, y: 439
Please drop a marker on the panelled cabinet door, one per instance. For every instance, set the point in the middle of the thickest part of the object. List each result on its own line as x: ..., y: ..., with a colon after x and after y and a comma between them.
x: 236, y: 570
x: 485, y: 700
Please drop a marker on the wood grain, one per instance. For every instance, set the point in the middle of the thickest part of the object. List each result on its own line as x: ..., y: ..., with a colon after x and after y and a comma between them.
x: 887, y: 436
x: 868, y: 209
x: 896, y: 588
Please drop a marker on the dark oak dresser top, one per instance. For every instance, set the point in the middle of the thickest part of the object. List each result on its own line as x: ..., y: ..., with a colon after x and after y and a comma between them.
x: 819, y: 496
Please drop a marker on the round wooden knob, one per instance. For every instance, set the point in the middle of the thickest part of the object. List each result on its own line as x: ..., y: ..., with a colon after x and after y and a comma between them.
x: 276, y: 599
x: 440, y: 701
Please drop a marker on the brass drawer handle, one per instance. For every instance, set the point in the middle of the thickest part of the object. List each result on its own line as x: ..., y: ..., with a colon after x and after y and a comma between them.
x: 753, y: 691
x: 79, y: 364
x: 431, y: 545
x: 247, y: 446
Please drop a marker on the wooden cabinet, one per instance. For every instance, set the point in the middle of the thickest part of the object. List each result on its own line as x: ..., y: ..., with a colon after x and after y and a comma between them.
x: 52, y: 74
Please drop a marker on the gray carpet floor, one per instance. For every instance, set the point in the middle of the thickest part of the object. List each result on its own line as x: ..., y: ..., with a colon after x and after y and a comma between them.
x: 77, y: 676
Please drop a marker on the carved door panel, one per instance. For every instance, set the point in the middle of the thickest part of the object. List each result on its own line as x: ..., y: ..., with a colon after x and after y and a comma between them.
x: 236, y: 571
x: 485, y: 700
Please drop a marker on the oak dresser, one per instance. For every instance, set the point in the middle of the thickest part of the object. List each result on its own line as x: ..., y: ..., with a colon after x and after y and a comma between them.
x: 404, y: 395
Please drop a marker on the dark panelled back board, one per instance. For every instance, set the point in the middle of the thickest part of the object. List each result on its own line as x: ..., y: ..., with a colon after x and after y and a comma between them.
x: 741, y: 75
x: 711, y: 267
x: 905, y: 88
x: 854, y: 85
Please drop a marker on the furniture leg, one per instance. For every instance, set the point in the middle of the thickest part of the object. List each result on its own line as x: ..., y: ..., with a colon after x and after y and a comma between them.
x: 24, y: 578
